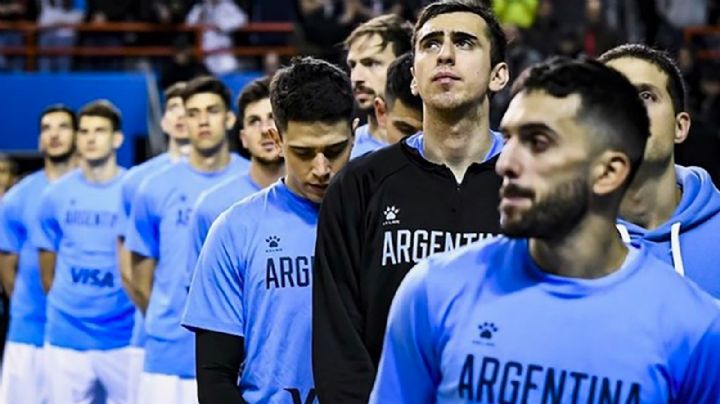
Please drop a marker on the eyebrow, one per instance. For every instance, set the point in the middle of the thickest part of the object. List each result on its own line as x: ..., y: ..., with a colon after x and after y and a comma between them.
x: 211, y: 106
x: 330, y: 146
x: 647, y: 87
x: 453, y: 34
x: 531, y: 127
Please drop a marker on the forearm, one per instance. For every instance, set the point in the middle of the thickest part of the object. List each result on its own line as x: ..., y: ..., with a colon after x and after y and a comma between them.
x: 47, y: 269
x: 218, y: 360
x: 8, y: 270
x: 124, y: 263
x: 141, y: 279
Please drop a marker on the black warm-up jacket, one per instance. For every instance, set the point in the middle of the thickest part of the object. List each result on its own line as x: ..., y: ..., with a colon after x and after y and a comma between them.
x: 382, y: 213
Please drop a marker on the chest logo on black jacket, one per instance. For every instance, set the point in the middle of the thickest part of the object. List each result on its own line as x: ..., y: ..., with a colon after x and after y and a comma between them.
x: 391, y: 216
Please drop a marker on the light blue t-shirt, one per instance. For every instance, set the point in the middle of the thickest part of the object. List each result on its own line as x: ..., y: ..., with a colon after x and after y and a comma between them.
x: 159, y: 228
x: 130, y: 184
x: 417, y: 141
x: 486, y: 324
x: 87, y: 308
x: 254, y: 280
x: 210, y: 205
x: 365, y: 142
x: 18, y: 212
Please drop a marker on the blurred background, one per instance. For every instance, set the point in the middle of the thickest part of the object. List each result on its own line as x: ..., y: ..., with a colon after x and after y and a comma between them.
x: 73, y: 51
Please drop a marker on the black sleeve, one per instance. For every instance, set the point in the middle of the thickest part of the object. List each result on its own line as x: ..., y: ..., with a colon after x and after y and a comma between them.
x: 342, y: 367
x: 218, y: 360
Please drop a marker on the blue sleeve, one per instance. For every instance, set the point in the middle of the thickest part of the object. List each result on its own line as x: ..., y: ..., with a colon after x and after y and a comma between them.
x: 408, y: 370
x: 199, y: 227
x: 11, y: 229
x: 47, y: 233
x: 142, y: 231
x: 216, y: 298
x: 701, y: 382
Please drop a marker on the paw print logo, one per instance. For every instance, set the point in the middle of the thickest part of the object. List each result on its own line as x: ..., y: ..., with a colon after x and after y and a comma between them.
x: 391, y: 213
x: 487, y: 330
x: 273, y: 241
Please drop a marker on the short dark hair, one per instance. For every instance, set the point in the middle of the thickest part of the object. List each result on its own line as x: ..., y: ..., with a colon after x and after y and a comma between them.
x: 254, y: 91
x: 397, y: 86
x: 208, y: 84
x: 609, y: 102
x: 495, y: 33
x: 60, y: 108
x: 174, y: 90
x: 13, y: 166
x: 104, y: 109
x: 660, y: 59
x: 311, y: 90
x: 392, y: 30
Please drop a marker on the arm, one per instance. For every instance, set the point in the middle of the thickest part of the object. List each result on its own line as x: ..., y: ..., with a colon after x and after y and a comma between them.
x: 8, y: 270
x: 408, y: 371
x: 218, y: 358
x: 214, y: 311
x: 126, y: 270
x: 342, y: 365
x: 47, y: 268
x: 701, y: 381
x: 141, y: 279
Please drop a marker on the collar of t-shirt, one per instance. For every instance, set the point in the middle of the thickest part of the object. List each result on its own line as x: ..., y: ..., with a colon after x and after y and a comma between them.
x: 299, y: 204
x: 576, y: 287
x: 416, y: 142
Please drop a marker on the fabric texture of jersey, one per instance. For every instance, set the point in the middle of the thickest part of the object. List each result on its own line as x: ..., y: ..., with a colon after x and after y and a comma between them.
x: 486, y: 324
x: 688, y: 240
x: 130, y: 184
x: 18, y: 213
x: 365, y: 142
x: 87, y: 308
x: 383, y: 213
x: 159, y: 228
x: 253, y: 280
x: 210, y: 205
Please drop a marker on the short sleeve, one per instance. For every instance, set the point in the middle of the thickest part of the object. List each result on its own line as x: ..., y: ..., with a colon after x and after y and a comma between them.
x: 216, y: 299
x: 46, y: 234
x: 12, y: 232
x: 199, y: 227
x: 408, y: 372
x: 142, y: 230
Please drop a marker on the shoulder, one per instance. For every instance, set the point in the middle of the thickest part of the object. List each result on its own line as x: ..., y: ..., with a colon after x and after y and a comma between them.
x: 158, y: 181
x: 366, y: 172
x: 447, y: 274
x: 22, y: 189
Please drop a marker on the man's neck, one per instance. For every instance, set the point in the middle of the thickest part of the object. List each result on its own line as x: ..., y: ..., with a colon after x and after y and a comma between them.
x: 212, y: 162
x: 176, y: 150
x: 457, y: 138
x: 374, y: 129
x: 264, y: 174
x: 592, y: 250
x: 100, y: 171
x: 56, y: 169
x: 652, y: 197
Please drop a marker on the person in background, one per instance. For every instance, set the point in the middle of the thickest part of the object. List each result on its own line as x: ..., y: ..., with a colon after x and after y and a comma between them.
x: 23, y: 376
x: 399, y: 111
x: 8, y: 173
x: 222, y: 18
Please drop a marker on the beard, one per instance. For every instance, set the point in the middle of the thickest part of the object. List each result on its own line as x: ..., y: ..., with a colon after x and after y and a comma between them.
x: 62, y: 157
x: 264, y: 161
x: 554, y: 216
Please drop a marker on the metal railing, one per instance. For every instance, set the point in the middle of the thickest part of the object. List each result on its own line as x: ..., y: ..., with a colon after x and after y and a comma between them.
x: 31, y: 50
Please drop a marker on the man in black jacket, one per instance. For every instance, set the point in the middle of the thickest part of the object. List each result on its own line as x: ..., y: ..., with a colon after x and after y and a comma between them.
x: 432, y: 192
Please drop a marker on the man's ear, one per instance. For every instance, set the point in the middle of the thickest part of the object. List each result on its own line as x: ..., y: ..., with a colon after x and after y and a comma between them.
x: 682, y: 127
x: 243, y: 141
x: 610, y: 171
x: 165, y: 124
x: 381, y: 112
x: 118, y: 139
x: 355, y: 124
x: 230, y: 119
x: 499, y: 77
